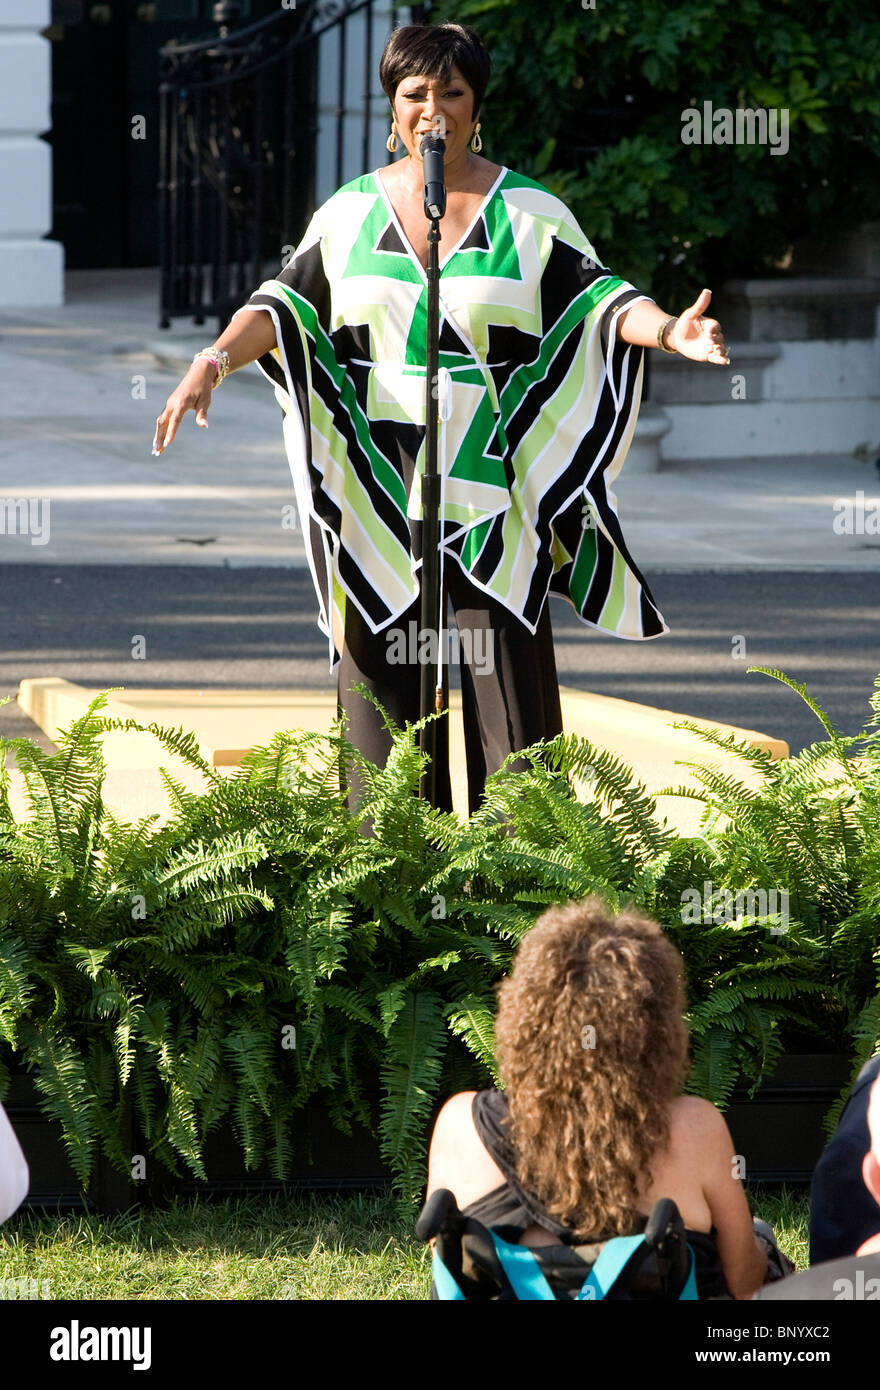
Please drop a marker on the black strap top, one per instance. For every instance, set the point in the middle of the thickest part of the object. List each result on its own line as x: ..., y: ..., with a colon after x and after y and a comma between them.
x: 510, y: 1209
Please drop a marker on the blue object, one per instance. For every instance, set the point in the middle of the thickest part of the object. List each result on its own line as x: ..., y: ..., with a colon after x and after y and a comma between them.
x: 530, y: 1284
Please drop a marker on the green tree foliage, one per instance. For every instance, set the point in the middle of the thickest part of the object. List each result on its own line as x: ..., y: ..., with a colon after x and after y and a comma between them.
x: 672, y: 217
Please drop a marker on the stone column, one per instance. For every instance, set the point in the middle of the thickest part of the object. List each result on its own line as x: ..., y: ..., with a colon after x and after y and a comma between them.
x: 31, y: 268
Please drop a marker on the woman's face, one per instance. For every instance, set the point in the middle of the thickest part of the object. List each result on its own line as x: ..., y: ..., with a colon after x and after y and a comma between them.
x: 419, y: 99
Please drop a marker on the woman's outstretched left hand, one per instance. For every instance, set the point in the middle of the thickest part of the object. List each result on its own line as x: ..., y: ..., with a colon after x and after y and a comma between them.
x: 697, y: 337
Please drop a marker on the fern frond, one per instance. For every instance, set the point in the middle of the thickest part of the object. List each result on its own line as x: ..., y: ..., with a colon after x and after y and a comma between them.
x: 410, y: 1075
x: 715, y: 1067
x: 835, y: 736
x: 472, y: 1020
x: 181, y: 742
x: 66, y: 1094
x: 866, y: 1031
x: 252, y: 1054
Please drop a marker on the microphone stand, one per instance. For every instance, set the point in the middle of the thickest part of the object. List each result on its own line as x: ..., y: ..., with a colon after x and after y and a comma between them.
x: 431, y: 698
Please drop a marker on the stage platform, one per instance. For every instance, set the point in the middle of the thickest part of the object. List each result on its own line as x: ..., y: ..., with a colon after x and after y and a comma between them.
x: 228, y: 722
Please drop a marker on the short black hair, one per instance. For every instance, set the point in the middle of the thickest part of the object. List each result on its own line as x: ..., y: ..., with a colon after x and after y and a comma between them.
x: 432, y: 50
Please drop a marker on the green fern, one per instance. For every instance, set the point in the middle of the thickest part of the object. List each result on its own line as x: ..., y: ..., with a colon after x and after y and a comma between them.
x: 165, y: 960
x: 472, y: 1019
x: 410, y: 1079
x: 66, y: 1097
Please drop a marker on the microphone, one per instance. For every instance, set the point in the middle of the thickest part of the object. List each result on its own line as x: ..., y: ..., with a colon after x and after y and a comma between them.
x: 432, y: 150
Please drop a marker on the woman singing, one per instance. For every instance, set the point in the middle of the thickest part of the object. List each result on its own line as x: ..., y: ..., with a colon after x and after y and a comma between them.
x: 541, y: 351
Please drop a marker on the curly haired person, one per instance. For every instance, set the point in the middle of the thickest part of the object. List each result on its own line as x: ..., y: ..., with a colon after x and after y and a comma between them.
x: 592, y: 1128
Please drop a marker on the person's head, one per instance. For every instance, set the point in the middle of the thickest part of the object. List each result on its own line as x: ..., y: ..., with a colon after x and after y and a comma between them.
x: 871, y: 1165
x: 435, y: 69
x: 592, y: 1049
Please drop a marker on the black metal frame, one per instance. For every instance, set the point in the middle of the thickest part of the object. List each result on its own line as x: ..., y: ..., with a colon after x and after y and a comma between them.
x: 238, y: 126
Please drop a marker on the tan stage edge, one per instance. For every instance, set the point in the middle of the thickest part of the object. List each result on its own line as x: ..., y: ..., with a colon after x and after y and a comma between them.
x: 227, y: 722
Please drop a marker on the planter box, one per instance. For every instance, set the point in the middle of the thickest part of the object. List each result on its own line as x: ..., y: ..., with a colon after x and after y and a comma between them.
x: 779, y: 1131
x: 332, y: 1162
x: 53, y: 1181
x: 327, y: 1161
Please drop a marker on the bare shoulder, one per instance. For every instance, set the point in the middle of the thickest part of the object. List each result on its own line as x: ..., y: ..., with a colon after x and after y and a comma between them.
x: 456, y: 1113
x: 693, y: 1118
x: 487, y: 172
x: 391, y: 173
x: 458, y: 1159
x: 455, y: 1136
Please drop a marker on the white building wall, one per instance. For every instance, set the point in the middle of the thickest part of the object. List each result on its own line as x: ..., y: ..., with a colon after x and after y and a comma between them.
x: 31, y: 268
x: 815, y: 398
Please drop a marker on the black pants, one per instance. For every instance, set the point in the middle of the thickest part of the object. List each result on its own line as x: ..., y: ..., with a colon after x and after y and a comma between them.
x: 510, y: 693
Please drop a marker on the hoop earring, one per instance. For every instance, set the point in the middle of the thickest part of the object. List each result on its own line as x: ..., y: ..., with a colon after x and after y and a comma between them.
x: 392, y: 142
x: 476, y: 142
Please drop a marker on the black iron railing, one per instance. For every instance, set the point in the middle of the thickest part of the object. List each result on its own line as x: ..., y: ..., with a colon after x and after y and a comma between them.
x: 239, y: 150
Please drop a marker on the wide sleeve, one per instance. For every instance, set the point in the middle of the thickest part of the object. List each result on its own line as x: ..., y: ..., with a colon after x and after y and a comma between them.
x: 568, y: 395
x: 581, y: 392
x: 303, y: 370
x: 351, y: 498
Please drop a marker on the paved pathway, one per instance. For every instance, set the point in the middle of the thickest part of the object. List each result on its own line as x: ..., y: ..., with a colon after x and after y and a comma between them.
x: 82, y: 387
x: 731, y: 551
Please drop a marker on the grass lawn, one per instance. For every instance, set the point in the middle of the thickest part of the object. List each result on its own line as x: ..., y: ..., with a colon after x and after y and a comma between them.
x: 264, y: 1247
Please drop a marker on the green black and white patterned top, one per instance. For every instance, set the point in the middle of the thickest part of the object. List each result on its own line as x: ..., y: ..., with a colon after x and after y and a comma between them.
x: 538, y: 399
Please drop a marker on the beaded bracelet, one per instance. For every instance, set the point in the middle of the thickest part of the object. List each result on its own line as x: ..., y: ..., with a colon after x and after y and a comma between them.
x: 220, y: 361
x: 661, y: 335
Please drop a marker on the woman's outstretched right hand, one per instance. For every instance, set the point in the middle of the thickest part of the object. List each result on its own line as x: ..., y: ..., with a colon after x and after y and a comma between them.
x: 193, y: 393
